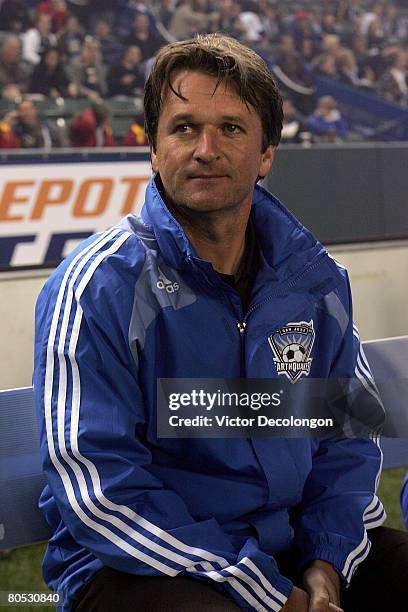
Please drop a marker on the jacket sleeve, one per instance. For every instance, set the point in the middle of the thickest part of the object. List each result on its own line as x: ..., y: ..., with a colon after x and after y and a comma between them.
x: 339, y: 502
x: 90, y: 407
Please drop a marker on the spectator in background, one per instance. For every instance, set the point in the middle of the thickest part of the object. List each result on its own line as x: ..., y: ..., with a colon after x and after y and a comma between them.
x: 325, y: 66
x: 308, y: 51
x: 136, y: 136
x: 228, y: 17
x: 13, y: 16
x: 331, y: 44
x: 359, y: 47
x: 165, y: 12
x: 347, y: 9
x: 111, y: 49
x: 87, y: 71
x: 306, y: 25
x: 127, y: 78
x: 37, y: 40
x: 191, y: 18
x: 314, y: 21
x: 144, y: 36
x: 8, y: 139
x: 329, y: 23
x: 50, y: 79
x: 393, y: 85
x: 103, y: 9
x: 71, y: 39
x: 326, y: 124
x: 14, y: 71
x: 347, y: 68
x: 271, y: 20
x: 251, y: 26
x: 80, y: 8
x: 23, y: 128
x: 395, y: 29
x: 92, y: 128
x: 375, y: 35
x: 57, y: 10
x: 293, y: 122
x: 126, y: 11
x: 368, y: 60
x: 371, y: 16
x: 291, y: 62
x: 349, y: 72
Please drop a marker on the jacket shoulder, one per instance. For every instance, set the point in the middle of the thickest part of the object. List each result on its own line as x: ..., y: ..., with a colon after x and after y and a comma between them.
x: 106, y: 264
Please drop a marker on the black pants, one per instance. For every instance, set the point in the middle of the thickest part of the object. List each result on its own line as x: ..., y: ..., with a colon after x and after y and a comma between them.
x: 379, y: 585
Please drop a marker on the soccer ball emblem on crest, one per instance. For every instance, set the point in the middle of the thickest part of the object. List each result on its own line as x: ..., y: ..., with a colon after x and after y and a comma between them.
x: 293, y: 352
x: 291, y: 346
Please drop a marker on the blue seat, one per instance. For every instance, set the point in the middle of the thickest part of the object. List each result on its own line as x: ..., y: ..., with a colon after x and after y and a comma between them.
x: 22, y: 479
x: 21, y: 476
x: 388, y: 359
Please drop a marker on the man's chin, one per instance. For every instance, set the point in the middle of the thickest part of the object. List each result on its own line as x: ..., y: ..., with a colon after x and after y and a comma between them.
x: 208, y: 200
x: 206, y: 205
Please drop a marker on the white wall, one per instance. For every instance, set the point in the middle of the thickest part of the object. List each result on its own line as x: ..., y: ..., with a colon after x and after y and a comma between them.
x: 17, y: 300
x: 379, y: 277
x: 379, y: 282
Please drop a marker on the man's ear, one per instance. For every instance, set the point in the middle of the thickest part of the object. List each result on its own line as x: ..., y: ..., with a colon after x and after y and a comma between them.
x: 155, y: 163
x: 266, y: 161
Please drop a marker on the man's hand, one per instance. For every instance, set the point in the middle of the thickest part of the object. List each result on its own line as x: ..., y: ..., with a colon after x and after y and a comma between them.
x: 298, y: 601
x: 322, y: 583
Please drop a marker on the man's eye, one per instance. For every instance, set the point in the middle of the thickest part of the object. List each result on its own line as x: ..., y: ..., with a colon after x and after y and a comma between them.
x: 232, y: 128
x: 183, y: 128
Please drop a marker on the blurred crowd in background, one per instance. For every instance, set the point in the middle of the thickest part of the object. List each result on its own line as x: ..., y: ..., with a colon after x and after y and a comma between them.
x: 72, y: 71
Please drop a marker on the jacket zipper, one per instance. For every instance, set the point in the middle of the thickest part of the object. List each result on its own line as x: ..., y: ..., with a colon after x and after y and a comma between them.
x: 241, y: 325
x: 241, y: 328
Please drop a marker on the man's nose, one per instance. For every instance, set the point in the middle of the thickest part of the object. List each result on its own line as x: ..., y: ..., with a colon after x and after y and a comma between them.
x: 207, y: 146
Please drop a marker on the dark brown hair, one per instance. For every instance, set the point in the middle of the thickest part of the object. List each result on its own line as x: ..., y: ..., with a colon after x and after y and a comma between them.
x: 227, y: 60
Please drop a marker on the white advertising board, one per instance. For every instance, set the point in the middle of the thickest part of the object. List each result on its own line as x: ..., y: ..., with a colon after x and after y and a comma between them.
x: 47, y: 209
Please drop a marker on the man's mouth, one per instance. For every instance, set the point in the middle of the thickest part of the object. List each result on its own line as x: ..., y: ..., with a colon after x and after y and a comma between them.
x: 207, y: 176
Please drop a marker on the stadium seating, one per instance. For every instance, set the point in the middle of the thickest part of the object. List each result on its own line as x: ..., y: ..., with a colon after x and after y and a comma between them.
x: 59, y: 112
x: 22, y: 480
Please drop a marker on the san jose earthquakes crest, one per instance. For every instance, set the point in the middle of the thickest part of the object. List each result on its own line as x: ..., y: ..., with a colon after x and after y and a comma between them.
x: 292, y: 345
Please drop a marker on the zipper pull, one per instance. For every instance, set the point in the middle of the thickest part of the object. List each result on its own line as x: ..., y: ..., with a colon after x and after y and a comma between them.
x: 241, y: 327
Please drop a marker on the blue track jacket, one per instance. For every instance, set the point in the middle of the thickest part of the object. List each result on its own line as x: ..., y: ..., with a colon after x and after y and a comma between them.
x: 136, y: 303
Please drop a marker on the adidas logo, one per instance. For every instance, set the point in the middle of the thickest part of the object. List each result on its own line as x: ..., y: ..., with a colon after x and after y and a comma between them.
x: 166, y: 284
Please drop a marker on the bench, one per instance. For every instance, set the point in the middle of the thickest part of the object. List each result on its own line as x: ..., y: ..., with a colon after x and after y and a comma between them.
x: 22, y: 479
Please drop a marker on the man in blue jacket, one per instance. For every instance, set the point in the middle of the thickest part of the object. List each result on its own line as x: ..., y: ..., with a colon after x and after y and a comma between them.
x: 214, y: 280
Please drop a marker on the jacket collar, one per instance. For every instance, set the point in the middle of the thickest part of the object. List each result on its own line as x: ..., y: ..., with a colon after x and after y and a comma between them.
x: 175, y: 247
x: 290, y: 253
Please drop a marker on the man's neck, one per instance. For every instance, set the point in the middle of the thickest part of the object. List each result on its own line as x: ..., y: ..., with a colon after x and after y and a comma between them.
x: 218, y: 237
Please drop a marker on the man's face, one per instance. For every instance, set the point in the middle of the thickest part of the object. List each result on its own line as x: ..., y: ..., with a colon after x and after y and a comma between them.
x: 141, y: 23
x: 28, y: 113
x: 72, y: 25
x: 10, y: 52
x: 44, y: 24
x: 133, y: 55
x: 52, y: 58
x: 102, y: 29
x: 287, y: 43
x: 208, y: 151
